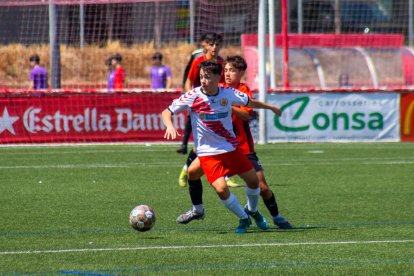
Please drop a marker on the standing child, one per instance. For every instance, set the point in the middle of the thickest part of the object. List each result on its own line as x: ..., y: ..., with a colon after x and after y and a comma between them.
x: 38, y: 74
x: 215, y: 142
x: 119, y: 75
x: 161, y: 76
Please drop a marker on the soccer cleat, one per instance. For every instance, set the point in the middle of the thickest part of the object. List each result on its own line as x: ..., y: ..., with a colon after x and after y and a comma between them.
x: 183, y: 178
x: 258, y: 219
x: 182, y: 149
x: 243, y: 225
x: 280, y: 222
x: 189, y: 216
x: 231, y: 183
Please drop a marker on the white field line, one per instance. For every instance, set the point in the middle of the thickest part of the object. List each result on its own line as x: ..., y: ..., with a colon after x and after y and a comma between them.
x: 202, y: 246
x: 174, y: 164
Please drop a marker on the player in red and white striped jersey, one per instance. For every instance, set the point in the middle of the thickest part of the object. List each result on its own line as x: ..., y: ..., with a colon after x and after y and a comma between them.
x: 216, y: 144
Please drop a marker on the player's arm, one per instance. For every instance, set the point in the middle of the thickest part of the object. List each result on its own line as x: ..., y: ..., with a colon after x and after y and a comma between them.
x: 258, y: 104
x: 169, y: 83
x: 188, y: 85
x: 170, y: 133
x: 241, y: 113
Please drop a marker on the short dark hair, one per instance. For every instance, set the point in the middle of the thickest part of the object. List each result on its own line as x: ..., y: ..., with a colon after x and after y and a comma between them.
x: 117, y: 57
x: 213, y: 38
x: 35, y: 58
x: 157, y: 55
x: 212, y: 67
x: 237, y: 62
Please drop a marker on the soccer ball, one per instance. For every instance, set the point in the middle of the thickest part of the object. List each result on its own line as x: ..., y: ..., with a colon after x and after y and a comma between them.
x: 142, y: 218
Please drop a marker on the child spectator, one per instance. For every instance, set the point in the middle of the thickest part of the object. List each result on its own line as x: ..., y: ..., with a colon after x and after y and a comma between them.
x: 111, y: 74
x: 38, y: 74
x: 161, y: 76
x: 119, y: 75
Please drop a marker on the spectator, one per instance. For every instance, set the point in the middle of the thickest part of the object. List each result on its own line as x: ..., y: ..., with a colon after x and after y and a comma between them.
x: 161, y: 76
x: 111, y: 74
x: 343, y: 80
x: 38, y: 74
x: 119, y: 75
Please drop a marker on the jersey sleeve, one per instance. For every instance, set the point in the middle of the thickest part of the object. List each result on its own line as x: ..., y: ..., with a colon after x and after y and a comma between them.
x: 238, y: 98
x: 246, y: 90
x: 183, y: 103
x: 193, y: 74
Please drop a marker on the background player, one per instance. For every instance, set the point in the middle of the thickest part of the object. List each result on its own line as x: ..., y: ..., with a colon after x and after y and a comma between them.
x: 215, y: 142
x: 234, y: 69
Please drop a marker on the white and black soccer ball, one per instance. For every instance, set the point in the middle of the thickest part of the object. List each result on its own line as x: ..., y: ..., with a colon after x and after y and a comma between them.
x: 142, y: 218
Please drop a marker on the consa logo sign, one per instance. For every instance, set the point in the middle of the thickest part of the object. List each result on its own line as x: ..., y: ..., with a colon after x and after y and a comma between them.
x: 325, y: 120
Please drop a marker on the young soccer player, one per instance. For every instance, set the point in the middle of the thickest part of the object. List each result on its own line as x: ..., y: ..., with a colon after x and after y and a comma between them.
x: 234, y: 69
x: 119, y: 76
x: 38, y: 74
x: 212, y: 43
x: 215, y: 142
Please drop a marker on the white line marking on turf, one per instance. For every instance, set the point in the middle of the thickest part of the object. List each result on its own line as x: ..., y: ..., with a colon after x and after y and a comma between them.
x: 199, y: 246
x: 170, y: 164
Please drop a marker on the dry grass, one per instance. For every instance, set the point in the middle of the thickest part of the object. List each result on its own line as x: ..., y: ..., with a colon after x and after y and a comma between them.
x: 87, y: 66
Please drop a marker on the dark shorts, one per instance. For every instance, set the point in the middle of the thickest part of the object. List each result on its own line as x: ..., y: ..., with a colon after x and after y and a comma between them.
x: 255, y: 162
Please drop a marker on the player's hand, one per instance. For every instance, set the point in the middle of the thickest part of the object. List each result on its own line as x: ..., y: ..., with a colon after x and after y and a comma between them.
x: 277, y: 111
x: 171, y: 133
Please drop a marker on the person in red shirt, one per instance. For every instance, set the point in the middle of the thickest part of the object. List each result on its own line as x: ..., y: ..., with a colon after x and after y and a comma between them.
x: 119, y: 76
x: 235, y: 67
x: 213, y: 44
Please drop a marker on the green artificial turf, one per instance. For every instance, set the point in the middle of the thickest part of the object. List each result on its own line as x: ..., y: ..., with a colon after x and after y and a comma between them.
x: 65, y: 210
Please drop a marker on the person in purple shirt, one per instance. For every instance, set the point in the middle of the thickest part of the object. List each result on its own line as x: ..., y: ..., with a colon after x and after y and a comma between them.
x: 111, y: 74
x: 38, y: 74
x: 161, y: 76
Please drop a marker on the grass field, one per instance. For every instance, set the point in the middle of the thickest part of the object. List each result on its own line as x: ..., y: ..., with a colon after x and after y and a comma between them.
x: 64, y: 210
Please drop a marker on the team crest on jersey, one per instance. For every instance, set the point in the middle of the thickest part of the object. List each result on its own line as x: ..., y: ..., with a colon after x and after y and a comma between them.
x: 202, y: 116
x: 223, y: 102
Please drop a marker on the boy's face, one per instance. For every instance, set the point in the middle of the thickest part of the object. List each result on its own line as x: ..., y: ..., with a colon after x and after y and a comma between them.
x: 213, y: 48
x: 232, y: 75
x: 209, y: 81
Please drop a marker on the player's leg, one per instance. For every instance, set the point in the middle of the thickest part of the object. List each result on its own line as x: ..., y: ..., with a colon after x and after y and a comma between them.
x: 183, y: 178
x: 215, y: 170
x: 232, y: 203
x: 269, y: 200
x: 195, y: 189
x: 186, y: 137
x: 239, y: 164
x: 267, y: 195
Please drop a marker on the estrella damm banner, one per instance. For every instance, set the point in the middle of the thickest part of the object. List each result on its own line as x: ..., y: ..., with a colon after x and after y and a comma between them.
x: 335, y: 117
x: 407, y: 117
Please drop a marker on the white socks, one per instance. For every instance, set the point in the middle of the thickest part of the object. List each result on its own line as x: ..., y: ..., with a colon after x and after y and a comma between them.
x: 233, y: 204
x: 252, y: 198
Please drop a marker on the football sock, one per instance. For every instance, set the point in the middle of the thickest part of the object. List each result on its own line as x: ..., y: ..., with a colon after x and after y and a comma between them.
x: 199, y: 208
x: 196, y: 191
x: 233, y: 204
x: 252, y: 198
x: 272, y: 205
x: 191, y: 156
